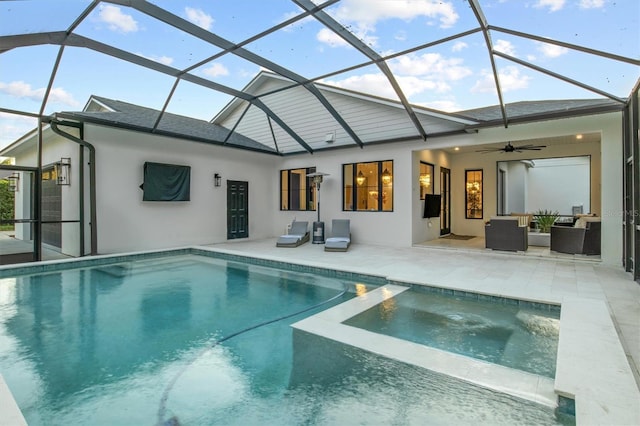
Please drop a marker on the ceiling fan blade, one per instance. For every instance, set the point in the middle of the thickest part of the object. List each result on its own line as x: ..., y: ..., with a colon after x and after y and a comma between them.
x: 531, y: 146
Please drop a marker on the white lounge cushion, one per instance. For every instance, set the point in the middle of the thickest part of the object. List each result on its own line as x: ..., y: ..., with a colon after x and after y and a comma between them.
x: 338, y: 240
x: 290, y: 238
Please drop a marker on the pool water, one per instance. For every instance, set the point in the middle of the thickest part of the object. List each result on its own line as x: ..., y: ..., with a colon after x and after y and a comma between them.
x: 524, y: 338
x: 103, y: 345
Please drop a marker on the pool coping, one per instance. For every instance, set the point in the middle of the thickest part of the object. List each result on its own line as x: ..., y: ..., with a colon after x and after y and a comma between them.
x: 10, y: 413
x: 603, y: 388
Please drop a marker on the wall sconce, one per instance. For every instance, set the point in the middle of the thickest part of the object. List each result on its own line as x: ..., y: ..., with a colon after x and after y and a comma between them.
x: 386, y: 177
x: 14, y: 180
x: 62, y: 169
x: 330, y: 137
x: 360, y: 178
x: 217, y: 179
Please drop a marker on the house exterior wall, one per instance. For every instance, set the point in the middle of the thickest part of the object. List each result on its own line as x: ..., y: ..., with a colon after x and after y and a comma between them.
x: 367, y: 227
x: 126, y: 223
x: 405, y: 226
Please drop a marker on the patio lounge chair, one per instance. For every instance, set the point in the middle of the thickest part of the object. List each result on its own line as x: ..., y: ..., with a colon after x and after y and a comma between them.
x: 340, y: 238
x: 298, y: 234
x: 505, y: 233
x: 583, y: 238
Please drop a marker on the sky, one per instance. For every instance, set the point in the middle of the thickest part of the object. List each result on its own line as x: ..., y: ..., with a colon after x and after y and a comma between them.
x: 451, y: 76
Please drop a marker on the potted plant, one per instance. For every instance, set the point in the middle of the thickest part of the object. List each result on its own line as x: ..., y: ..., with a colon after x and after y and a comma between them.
x: 545, y: 219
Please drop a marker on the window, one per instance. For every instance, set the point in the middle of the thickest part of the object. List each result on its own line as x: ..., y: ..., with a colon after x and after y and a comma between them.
x: 426, y: 179
x: 368, y: 186
x: 473, y: 198
x: 296, y: 189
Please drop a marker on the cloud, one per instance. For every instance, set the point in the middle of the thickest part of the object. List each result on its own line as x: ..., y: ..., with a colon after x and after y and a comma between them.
x: 510, y: 79
x: 361, y: 17
x: 20, y: 89
x: 366, y: 13
x: 327, y: 36
x: 552, y: 50
x: 400, y: 35
x: 377, y: 84
x: 442, y: 105
x: 199, y: 17
x: 553, y: 5
x: 116, y: 20
x: 432, y: 65
x: 505, y: 47
x: 591, y: 4
x: 165, y: 60
x: 13, y: 127
x: 216, y: 70
x: 459, y: 45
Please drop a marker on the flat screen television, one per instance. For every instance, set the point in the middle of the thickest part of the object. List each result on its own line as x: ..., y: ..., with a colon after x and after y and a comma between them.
x: 166, y: 182
x: 431, y: 205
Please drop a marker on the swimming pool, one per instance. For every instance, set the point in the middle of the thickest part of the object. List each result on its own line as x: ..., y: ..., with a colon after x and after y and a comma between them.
x: 105, y: 344
x: 505, y: 332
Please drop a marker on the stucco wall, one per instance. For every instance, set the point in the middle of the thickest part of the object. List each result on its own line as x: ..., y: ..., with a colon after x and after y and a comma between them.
x: 126, y: 223
x: 377, y: 228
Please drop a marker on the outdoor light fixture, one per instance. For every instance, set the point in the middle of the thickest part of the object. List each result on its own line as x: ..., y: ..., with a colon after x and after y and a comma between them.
x: 386, y: 177
x: 217, y: 179
x: 62, y: 169
x: 14, y: 179
x: 330, y: 137
x: 360, y: 178
x: 318, y: 227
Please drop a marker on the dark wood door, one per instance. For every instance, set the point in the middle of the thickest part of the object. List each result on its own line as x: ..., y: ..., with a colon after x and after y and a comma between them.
x: 445, y: 200
x: 237, y: 209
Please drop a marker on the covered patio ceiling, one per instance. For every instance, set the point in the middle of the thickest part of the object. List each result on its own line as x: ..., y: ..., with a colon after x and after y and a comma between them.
x: 426, y: 58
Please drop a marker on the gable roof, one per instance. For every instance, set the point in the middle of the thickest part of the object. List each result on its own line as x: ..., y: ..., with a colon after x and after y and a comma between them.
x: 310, y: 127
x: 110, y: 112
x: 373, y: 119
x: 364, y: 119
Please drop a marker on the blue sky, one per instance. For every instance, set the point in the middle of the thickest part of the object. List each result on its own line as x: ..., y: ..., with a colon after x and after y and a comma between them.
x: 451, y: 76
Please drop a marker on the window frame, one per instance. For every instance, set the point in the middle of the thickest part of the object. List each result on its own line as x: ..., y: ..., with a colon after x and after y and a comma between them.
x: 350, y: 173
x: 310, y: 201
x: 468, y: 184
x: 423, y: 190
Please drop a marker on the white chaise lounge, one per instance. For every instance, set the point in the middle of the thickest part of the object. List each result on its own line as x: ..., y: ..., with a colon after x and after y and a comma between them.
x: 298, y: 234
x: 340, y: 238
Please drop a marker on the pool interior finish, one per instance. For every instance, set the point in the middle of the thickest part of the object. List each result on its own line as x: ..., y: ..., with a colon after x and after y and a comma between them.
x: 512, y: 335
x: 102, y: 345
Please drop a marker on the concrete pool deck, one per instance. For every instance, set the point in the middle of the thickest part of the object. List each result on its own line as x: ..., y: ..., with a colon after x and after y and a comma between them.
x: 599, y: 348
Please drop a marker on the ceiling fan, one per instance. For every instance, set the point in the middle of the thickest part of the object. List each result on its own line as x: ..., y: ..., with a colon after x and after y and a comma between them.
x: 510, y: 148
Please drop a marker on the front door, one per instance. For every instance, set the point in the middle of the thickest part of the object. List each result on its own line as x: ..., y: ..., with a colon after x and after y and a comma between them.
x: 445, y: 197
x: 237, y: 209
